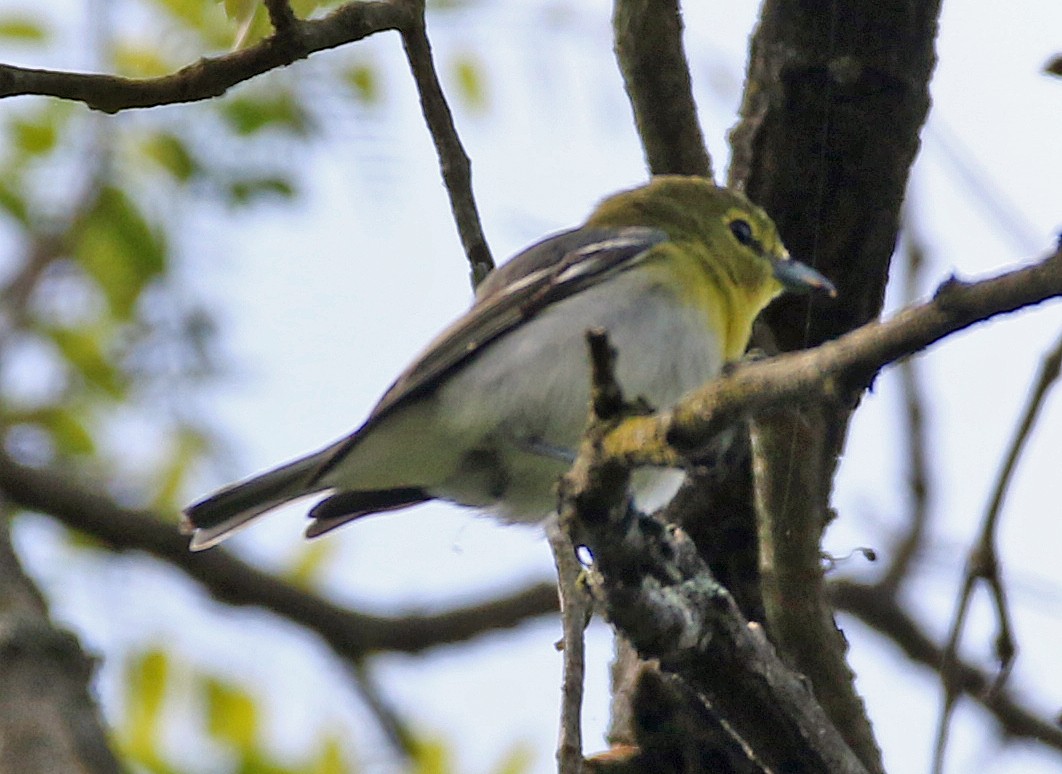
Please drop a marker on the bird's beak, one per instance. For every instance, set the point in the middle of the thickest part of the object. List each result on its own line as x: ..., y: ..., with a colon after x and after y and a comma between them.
x: 799, y: 278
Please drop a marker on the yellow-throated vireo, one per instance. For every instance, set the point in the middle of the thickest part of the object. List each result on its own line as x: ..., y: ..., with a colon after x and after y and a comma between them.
x: 490, y: 414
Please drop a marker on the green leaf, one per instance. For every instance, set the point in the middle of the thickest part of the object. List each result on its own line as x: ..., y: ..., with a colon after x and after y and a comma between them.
x: 83, y: 349
x: 364, y: 81
x: 519, y: 760
x: 203, y: 16
x: 250, y: 115
x: 171, y: 153
x: 329, y: 758
x: 13, y: 203
x: 65, y: 427
x: 309, y: 562
x: 431, y: 756
x: 138, y: 60
x: 119, y: 249
x: 188, y: 446
x: 232, y: 715
x: 470, y: 85
x: 146, y: 681
x: 248, y: 190
x: 35, y: 137
x: 22, y: 28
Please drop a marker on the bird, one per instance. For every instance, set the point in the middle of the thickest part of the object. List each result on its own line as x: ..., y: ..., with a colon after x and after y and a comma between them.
x: 490, y: 414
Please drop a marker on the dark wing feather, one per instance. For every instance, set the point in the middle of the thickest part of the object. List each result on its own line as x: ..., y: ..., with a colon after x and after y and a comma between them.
x: 543, y: 274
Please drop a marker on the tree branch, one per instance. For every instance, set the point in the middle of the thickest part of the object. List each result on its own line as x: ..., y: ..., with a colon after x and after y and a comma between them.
x: 879, y: 609
x: 791, y: 507
x: 915, y: 454
x: 281, y: 16
x: 661, y: 595
x: 982, y: 562
x: 652, y: 58
x: 453, y: 161
x: 211, y: 77
x: 838, y: 370
x: 48, y: 722
x: 352, y: 635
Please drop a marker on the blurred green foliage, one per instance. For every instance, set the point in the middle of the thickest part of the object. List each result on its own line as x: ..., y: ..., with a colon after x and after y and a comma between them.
x: 94, y: 312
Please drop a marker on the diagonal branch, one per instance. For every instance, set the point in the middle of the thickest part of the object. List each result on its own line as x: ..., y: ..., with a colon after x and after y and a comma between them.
x: 351, y: 634
x: 879, y: 609
x: 652, y: 59
x: 982, y: 563
x: 295, y: 39
x: 660, y: 594
x: 454, y: 163
x: 838, y: 369
x: 916, y: 453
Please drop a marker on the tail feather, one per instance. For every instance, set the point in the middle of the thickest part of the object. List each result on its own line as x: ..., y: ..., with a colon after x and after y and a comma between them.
x: 213, y: 519
x: 344, y: 507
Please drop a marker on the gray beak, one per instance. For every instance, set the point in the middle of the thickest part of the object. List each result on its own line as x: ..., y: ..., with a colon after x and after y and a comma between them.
x: 798, y: 278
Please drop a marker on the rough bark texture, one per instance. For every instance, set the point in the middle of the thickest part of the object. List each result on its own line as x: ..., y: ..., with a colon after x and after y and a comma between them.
x: 835, y: 98
x: 48, y: 722
x: 652, y: 57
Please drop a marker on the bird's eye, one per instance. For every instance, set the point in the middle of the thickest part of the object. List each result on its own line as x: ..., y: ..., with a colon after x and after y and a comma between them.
x: 742, y: 232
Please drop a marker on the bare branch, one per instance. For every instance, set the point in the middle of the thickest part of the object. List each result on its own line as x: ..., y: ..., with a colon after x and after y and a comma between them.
x: 791, y: 493
x: 880, y: 610
x: 983, y: 564
x: 915, y: 458
x: 281, y: 16
x: 837, y: 370
x: 352, y: 635
x: 212, y: 76
x: 661, y: 595
x: 576, y: 607
x: 653, y: 62
x: 453, y: 161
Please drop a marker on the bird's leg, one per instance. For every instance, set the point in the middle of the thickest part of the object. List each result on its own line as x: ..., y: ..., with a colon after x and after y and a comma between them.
x: 545, y: 449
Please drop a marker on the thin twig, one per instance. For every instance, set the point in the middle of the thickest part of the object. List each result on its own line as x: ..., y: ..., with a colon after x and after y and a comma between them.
x: 211, y: 76
x: 396, y: 730
x: 919, y: 480
x: 881, y: 611
x: 281, y: 16
x: 453, y: 161
x: 983, y: 564
x: 575, y: 609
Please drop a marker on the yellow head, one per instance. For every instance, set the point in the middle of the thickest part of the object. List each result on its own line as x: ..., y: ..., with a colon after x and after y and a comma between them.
x: 723, y: 250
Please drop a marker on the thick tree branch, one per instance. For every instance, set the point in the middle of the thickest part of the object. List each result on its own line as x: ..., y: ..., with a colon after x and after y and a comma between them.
x: 352, y: 635
x: 833, y: 372
x: 829, y: 374
x: 799, y: 616
x: 661, y: 595
x: 652, y: 58
x: 838, y: 370
x: 294, y: 39
x: 48, y: 722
